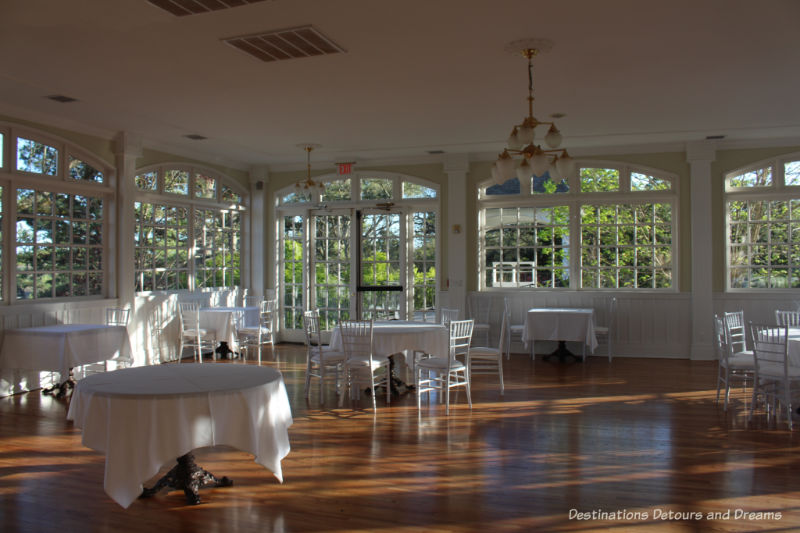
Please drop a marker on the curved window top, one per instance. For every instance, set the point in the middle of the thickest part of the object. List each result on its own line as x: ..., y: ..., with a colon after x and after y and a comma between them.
x: 593, y: 178
x: 767, y: 175
x: 361, y: 187
x: 38, y: 154
x: 195, y: 183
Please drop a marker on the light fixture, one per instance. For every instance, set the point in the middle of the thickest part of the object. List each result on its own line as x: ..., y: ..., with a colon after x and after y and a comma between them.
x: 308, y: 185
x: 521, y: 157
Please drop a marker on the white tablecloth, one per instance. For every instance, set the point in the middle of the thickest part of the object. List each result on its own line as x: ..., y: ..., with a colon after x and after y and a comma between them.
x: 399, y: 336
x: 222, y: 320
x: 794, y: 346
x: 63, y: 346
x: 144, y: 418
x: 560, y: 324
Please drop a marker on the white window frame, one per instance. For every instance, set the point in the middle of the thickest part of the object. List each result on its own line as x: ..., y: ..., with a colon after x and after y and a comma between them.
x: 408, y: 206
x: 574, y: 199
x: 12, y: 179
x: 191, y: 202
x: 778, y: 190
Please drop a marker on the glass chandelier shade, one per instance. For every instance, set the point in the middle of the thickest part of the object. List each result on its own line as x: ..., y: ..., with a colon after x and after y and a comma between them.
x: 532, y: 158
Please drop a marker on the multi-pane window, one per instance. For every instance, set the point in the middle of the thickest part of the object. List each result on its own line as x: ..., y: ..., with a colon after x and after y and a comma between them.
x: 36, y: 157
x: 191, y: 242
x: 217, y: 247
x: 162, y: 247
x: 293, y: 244
x: 527, y: 246
x: 764, y: 243
x: 424, y: 284
x: 626, y: 246
x: 373, y: 248
x: 59, y: 245
x: 82, y: 171
x: 763, y: 225
x: 336, y: 190
x: 609, y: 227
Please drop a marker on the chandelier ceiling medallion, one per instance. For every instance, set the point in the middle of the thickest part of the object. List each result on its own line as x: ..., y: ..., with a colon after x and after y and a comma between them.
x: 521, y: 157
x: 308, y: 185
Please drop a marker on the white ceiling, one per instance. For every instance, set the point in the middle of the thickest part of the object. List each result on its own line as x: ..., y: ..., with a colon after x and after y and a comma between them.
x: 417, y: 75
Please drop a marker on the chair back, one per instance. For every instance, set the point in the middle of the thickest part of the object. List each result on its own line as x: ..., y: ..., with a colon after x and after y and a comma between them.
x: 788, y: 318
x: 189, y: 315
x: 356, y: 338
x: 117, y: 316
x: 460, y: 338
x: 311, y: 327
x: 448, y: 315
x: 770, y: 347
x: 735, y: 331
x: 267, y: 313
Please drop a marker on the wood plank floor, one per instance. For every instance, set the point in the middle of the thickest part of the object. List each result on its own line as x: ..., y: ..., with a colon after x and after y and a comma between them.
x: 635, y: 439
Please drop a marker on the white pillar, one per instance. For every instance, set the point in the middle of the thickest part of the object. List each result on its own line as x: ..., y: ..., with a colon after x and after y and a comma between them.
x: 259, y: 177
x: 127, y: 149
x: 700, y: 155
x: 456, y: 166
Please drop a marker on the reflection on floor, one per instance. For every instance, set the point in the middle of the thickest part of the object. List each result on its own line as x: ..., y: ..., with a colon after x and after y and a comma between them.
x: 632, y: 445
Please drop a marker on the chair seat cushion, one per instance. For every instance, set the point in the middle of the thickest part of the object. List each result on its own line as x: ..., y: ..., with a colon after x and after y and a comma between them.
x: 483, y: 352
x: 477, y: 326
x: 440, y: 363
x: 363, y: 360
x: 327, y: 353
x: 741, y: 361
x: 195, y: 332
x: 253, y: 330
x: 516, y: 328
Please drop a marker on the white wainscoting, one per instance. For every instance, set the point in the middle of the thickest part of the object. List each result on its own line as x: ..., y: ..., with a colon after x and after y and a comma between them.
x: 646, y: 324
x: 153, y: 328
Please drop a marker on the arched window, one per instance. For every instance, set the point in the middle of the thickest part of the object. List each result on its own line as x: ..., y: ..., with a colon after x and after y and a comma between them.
x: 372, y: 234
x: 54, y: 203
x: 188, y: 228
x: 611, y: 227
x: 762, y: 210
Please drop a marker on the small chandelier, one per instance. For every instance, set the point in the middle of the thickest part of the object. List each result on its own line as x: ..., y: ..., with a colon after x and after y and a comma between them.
x: 308, y: 185
x: 534, y: 160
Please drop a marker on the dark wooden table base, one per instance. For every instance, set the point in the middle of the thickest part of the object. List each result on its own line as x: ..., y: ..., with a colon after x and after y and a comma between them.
x: 188, y: 476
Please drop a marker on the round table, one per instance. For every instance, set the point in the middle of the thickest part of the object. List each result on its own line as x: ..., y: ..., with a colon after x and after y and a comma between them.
x: 143, y: 418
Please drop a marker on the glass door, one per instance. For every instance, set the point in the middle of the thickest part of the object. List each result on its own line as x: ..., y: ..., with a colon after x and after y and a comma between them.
x: 381, y: 264
x: 331, y: 266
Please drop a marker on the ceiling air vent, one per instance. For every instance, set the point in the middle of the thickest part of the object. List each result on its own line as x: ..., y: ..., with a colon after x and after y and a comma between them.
x: 291, y: 43
x: 195, y: 137
x: 61, y: 98
x: 181, y: 8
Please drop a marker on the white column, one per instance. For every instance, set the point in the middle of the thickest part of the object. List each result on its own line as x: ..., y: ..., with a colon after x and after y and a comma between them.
x: 127, y: 149
x: 259, y: 177
x: 700, y: 155
x: 456, y: 166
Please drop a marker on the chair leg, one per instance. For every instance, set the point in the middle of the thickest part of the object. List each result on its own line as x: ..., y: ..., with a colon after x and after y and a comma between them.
x: 500, y: 373
x: 469, y: 395
x: 446, y: 391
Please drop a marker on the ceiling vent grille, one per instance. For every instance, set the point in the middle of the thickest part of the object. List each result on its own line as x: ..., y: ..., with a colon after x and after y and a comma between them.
x: 181, y: 8
x: 291, y: 43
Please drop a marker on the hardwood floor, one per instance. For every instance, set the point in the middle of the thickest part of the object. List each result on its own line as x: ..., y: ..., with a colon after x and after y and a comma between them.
x: 630, y: 441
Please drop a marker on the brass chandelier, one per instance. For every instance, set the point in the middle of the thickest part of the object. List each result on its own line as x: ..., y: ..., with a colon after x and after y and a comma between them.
x: 521, y: 157
x: 308, y: 185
